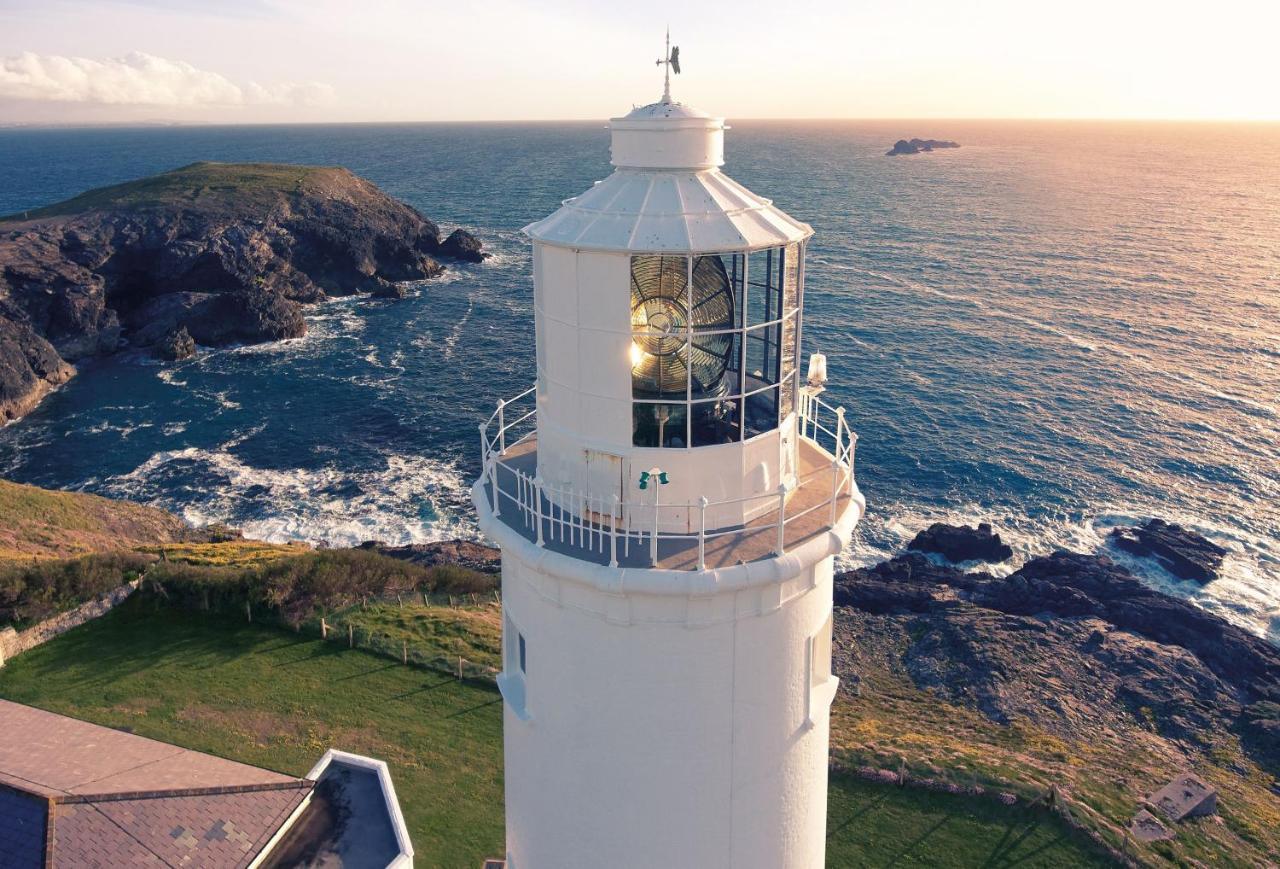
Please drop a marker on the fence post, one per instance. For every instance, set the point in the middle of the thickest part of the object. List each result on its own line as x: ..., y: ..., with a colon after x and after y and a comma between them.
x: 324, y: 629
x: 404, y: 653
x: 459, y: 668
x: 782, y: 520
x: 426, y: 599
x: 537, y: 507
x: 248, y: 612
x: 614, y: 518
x: 702, y: 533
x: 351, y: 636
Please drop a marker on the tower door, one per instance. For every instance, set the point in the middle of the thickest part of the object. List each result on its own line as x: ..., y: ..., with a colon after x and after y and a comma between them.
x: 605, y: 479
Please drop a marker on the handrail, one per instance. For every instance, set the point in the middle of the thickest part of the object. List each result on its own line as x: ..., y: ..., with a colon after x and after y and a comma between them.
x: 584, y: 520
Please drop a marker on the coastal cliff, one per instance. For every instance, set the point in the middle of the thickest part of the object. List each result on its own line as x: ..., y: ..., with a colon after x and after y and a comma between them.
x: 212, y: 253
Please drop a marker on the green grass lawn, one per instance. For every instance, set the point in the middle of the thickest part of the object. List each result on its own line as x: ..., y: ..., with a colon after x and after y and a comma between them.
x: 278, y: 700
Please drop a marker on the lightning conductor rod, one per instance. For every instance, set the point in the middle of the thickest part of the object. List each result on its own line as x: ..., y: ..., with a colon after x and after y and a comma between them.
x: 666, y: 61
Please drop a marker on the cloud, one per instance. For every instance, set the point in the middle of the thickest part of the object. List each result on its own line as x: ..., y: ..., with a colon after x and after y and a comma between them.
x: 144, y: 80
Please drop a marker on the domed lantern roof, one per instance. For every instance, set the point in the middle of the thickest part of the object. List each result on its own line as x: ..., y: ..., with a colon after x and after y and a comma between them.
x: 667, y: 194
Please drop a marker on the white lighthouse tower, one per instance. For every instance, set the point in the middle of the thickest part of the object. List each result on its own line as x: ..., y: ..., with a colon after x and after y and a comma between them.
x: 669, y: 497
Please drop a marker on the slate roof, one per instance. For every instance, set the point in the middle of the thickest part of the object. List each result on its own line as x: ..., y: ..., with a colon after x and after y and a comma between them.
x: 77, y: 794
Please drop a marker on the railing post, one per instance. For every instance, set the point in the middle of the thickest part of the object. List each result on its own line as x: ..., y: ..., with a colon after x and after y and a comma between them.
x: 614, y: 517
x: 781, y: 548
x: 502, y: 427
x: 702, y: 533
x: 653, y: 537
x: 835, y: 486
x: 840, y: 428
x: 537, y: 507
x: 853, y: 447
x: 488, y: 468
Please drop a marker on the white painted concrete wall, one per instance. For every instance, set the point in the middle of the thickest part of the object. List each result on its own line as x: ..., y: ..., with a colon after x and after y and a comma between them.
x: 664, y: 731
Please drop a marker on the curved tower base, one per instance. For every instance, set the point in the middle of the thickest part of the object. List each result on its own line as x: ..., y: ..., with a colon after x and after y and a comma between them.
x: 665, y: 730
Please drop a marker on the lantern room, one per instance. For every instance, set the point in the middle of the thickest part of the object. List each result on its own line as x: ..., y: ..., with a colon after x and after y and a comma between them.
x: 668, y: 303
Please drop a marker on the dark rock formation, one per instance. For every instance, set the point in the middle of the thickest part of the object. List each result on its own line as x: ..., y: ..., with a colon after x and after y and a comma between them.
x: 958, y: 543
x: 1073, y: 642
x: 227, y: 251
x: 177, y: 345
x: 465, y: 553
x: 1182, y: 552
x: 29, y: 366
x: 464, y: 246
x: 915, y: 146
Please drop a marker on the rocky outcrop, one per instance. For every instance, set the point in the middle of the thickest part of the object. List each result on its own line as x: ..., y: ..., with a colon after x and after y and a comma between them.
x: 464, y: 246
x: 958, y: 543
x: 29, y: 366
x: 228, y: 252
x: 915, y: 146
x: 1184, y: 553
x: 178, y: 344
x: 1074, y: 642
x: 464, y: 553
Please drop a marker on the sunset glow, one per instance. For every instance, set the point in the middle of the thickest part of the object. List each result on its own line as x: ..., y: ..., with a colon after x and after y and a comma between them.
x: 394, y: 60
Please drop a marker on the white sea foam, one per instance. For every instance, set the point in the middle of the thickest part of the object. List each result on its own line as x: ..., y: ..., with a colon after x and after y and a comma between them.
x: 456, y: 333
x: 1245, y: 594
x: 410, y: 499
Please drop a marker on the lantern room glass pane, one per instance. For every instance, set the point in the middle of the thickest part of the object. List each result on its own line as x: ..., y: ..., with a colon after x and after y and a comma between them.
x: 788, y: 353
x: 791, y: 278
x: 716, y: 298
x: 761, y: 413
x: 660, y: 425
x: 763, y: 356
x: 764, y: 287
x: 659, y: 371
x: 786, y: 396
x: 715, y: 422
x: 659, y: 326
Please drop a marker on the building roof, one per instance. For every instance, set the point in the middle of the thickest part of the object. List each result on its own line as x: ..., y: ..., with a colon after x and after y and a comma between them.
x: 668, y: 194
x: 665, y: 109
x: 77, y: 794
x: 669, y: 212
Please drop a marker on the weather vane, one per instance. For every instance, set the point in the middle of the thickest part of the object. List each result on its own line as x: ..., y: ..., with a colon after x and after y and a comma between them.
x: 672, y: 61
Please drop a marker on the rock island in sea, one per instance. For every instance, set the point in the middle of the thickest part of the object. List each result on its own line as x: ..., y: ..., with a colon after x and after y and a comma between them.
x: 212, y: 253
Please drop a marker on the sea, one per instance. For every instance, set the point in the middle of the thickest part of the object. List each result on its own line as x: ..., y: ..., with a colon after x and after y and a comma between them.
x: 1058, y: 328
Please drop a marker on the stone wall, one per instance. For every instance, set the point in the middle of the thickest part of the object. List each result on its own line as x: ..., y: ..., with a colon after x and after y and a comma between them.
x: 14, y: 643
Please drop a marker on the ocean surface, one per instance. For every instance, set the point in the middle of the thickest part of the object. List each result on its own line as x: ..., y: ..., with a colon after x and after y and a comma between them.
x: 1058, y: 328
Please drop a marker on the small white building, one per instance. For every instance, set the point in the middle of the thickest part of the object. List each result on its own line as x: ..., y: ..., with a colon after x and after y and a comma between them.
x: 668, y: 497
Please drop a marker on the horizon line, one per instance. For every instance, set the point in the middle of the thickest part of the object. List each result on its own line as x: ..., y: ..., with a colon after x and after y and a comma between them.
x: 164, y: 122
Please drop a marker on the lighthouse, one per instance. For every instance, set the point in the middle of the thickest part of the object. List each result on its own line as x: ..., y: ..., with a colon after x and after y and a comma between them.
x: 669, y: 495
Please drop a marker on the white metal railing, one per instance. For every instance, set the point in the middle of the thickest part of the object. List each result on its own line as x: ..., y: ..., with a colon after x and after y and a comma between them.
x: 610, y: 525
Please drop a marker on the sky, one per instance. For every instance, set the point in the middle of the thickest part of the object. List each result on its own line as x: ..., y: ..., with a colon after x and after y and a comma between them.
x: 286, y: 61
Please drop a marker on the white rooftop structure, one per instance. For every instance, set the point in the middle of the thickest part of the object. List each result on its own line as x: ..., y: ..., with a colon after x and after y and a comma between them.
x: 668, y: 193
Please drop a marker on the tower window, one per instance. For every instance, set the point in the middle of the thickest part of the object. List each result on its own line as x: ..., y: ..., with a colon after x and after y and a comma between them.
x: 714, y: 344
x: 522, y: 655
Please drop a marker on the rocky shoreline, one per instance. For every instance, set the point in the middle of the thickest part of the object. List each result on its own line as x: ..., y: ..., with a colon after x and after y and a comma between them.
x: 1121, y: 687
x: 210, y: 254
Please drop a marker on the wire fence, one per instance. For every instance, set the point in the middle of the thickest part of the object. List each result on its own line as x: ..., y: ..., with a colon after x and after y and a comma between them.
x: 348, y: 628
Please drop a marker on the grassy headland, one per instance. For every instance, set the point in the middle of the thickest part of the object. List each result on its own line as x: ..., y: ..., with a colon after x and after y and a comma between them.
x: 273, y: 698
